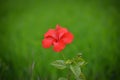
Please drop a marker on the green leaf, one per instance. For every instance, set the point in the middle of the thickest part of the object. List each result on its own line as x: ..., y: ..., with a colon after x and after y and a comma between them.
x: 59, y: 64
x: 82, y: 76
x: 68, y: 62
x: 76, y: 71
x: 79, y: 54
x: 62, y: 78
x: 81, y: 63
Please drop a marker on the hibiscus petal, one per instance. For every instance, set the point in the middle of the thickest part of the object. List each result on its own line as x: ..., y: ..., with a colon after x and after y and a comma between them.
x: 67, y: 38
x: 61, y: 31
x: 47, y: 42
x: 58, y: 26
x: 58, y: 46
x: 51, y: 33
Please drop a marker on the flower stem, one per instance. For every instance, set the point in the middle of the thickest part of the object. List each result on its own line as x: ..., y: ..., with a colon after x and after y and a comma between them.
x: 63, y: 56
x: 69, y: 74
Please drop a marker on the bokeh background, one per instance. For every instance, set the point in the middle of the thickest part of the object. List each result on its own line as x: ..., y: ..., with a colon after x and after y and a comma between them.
x: 94, y: 23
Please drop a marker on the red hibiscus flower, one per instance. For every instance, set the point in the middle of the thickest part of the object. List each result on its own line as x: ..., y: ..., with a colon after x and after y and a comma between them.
x: 57, y: 38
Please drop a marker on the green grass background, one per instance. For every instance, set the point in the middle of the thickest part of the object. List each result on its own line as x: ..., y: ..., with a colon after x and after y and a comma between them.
x: 94, y: 23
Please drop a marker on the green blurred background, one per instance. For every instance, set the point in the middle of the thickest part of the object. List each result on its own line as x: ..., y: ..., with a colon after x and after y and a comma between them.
x: 94, y: 23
